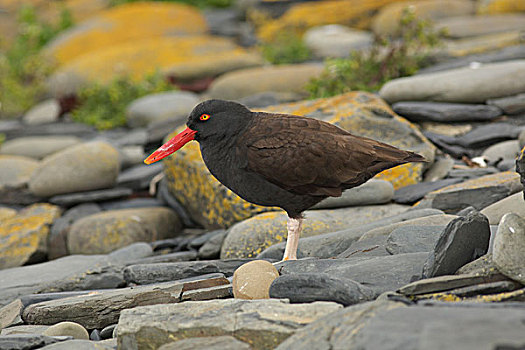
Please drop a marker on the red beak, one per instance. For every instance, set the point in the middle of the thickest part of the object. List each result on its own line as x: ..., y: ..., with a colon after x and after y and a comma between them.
x: 171, y: 146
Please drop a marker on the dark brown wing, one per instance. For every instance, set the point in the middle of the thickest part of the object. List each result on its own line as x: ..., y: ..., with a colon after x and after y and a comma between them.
x: 309, y: 156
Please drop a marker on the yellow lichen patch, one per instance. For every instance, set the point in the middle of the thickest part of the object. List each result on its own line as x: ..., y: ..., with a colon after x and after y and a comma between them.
x: 26, y: 233
x: 365, y: 114
x: 185, y: 58
x: 127, y: 23
x: 501, y: 6
x: 6, y: 213
x: 354, y: 13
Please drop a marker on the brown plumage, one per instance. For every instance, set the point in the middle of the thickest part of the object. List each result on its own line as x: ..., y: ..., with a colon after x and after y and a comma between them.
x: 282, y: 160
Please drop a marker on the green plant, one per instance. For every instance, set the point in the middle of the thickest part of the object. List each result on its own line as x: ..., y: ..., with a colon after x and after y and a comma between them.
x: 104, y: 105
x: 287, y: 48
x: 387, y: 59
x: 23, y: 69
x: 197, y: 3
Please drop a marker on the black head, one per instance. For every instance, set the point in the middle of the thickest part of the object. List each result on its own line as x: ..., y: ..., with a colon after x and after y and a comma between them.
x: 218, y: 119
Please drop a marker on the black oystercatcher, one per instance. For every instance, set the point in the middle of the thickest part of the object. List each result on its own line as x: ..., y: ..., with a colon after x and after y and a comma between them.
x: 281, y: 160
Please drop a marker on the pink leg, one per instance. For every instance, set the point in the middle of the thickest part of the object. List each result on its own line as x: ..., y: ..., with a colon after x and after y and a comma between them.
x: 294, y: 231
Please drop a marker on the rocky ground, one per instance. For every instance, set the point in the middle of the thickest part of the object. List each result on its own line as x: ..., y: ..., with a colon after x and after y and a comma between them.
x: 98, y: 251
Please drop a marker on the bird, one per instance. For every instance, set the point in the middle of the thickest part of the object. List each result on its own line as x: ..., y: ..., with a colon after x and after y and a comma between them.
x: 281, y: 160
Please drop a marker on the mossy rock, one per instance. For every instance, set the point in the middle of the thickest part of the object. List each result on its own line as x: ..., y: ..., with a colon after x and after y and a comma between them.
x: 214, y: 206
x: 365, y: 114
x: 126, y: 23
x: 23, y: 236
x: 353, y: 13
x: 110, y: 230
x: 184, y: 58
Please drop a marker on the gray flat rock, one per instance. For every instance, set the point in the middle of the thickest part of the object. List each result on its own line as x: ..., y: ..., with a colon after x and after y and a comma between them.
x: 370, y: 326
x: 38, y: 147
x: 263, y: 323
x: 412, y: 193
x: 462, y: 85
x: 331, y: 244
x: 139, y: 176
x: 446, y: 112
x: 445, y: 283
x: 160, y: 272
x: 70, y: 199
x: 371, y: 192
x: 381, y: 273
x: 27, y: 341
x: 77, y: 344
x: 511, y: 204
x: 412, y: 239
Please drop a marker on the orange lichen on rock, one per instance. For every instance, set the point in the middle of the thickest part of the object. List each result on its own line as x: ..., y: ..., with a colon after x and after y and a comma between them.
x: 354, y: 13
x: 127, y: 23
x: 501, y: 6
x: 185, y: 58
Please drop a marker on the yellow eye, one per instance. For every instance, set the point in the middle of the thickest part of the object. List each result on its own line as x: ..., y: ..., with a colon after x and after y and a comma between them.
x: 204, y: 117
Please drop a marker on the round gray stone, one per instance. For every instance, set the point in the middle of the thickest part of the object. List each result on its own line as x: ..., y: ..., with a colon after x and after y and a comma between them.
x: 335, y: 40
x: 16, y: 170
x: 85, y: 167
x: 161, y: 106
x: 505, y: 150
x: 509, y: 247
x: 45, y: 112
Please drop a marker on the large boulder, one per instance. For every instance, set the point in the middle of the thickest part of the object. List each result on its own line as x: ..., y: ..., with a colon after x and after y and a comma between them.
x: 85, y: 167
x: 126, y: 23
x: 113, y: 229
x: 183, y: 58
x: 15, y: 171
x: 214, y: 206
x: 304, y: 15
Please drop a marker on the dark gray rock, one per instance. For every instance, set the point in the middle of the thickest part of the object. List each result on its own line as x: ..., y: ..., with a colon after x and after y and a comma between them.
x: 478, y: 193
x: 161, y: 272
x: 55, y: 129
x: 372, y: 246
x: 464, y: 239
x: 107, y: 332
x: 505, y: 54
x: 70, y: 199
x: 225, y: 342
x: 210, y: 293
x: 369, y: 326
x: 412, y: 193
x: 165, y: 196
x: 130, y: 203
x: 30, y: 299
x: 166, y: 258
x: 371, y: 192
x: 445, y: 283
x: 138, y: 177
x: 412, y: 239
x: 310, y: 287
x: 510, y: 105
x: 269, y: 98
x: 471, y: 173
x: 486, y: 135
x: 27, y: 341
x: 448, y: 146
x: 223, y: 22
x: 57, y: 244
x: 212, y: 248
x: 331, y: 244
x: 265, y: 322
x: 381, y: 274
x: 446, y: 112
x: 199, y: 241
